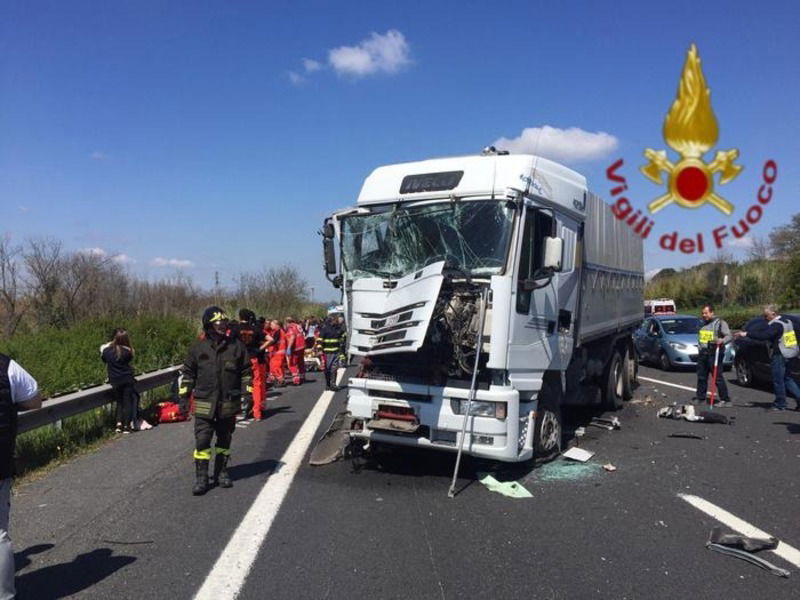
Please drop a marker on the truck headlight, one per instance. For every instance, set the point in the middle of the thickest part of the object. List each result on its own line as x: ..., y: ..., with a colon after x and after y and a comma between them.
x: 678, y: 345
x: 479, y: 408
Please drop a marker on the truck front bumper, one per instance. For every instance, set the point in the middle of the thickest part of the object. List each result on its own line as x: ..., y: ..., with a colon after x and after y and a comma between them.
x: 506, y: 439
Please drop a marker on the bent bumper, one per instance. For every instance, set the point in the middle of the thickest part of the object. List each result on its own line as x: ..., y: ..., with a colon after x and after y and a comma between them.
x: 506, y: 439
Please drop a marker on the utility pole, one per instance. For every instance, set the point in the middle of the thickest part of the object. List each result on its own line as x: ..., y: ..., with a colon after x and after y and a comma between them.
x: 312, y: 293
x: 216, y: 287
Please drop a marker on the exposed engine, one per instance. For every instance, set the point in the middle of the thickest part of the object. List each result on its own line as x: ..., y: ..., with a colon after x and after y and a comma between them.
x: 450, y: 343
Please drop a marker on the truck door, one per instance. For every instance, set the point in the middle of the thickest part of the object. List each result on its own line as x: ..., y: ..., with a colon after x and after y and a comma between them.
x: 534, y: 338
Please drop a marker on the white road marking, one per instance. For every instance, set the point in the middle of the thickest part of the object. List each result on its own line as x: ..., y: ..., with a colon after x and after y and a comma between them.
x: 788, y: 553
x: 675, y: 385
x: 230, y: 571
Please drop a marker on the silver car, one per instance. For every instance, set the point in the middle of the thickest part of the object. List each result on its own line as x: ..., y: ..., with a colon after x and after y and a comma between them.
x: 670, y: 341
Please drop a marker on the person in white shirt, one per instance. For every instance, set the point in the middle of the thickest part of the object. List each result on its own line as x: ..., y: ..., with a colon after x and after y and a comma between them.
x: 18, y: 391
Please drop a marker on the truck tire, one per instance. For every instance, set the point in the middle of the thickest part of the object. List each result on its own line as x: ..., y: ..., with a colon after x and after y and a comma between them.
x: 614, y: 387
x: 547, y: 425
x: 630, y: 374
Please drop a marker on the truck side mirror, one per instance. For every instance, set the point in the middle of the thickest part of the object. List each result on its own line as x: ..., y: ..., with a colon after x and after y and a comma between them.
x: 328, y: 250
x: 330, y: 256
x: 553, y: 251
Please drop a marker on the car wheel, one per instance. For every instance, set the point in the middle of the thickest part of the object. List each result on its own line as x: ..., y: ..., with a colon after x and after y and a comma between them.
x: 614, y: 387
x: 547, y: 425
x: 664, y: 362
x: 744, y: 374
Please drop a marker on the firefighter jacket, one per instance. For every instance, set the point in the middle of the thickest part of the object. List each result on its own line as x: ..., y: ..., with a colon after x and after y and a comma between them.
x: 331, y: 339
x: 219, y: 374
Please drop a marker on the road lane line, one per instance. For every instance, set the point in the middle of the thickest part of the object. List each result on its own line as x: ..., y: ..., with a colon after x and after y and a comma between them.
x: 675, y: 385
x: 788, y: 553
x: 230, y: 571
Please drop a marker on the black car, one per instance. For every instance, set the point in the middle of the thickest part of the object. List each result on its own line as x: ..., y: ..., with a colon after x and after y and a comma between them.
x: 752, y: 362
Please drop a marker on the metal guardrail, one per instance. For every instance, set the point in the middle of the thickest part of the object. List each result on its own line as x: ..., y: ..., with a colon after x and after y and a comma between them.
x: 60, y: 407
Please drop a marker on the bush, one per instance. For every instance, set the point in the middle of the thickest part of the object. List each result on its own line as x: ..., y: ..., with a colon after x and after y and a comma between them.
x: 66, y: 360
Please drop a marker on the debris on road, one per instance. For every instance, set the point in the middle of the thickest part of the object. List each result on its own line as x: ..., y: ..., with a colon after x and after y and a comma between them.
x: 609, y: 467
x: 578, y: 454
x: 730, y: 544
x: 609, y: 424
x: 331, y: 446
x: 687, y: 436
x: 512, y: 489
x: 687, y: 413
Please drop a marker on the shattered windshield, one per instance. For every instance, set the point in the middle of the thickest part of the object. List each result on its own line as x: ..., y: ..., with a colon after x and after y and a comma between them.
x: 394, y: 241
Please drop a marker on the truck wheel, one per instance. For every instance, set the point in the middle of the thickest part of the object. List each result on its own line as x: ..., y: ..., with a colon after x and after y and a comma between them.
x: 615, y: 383
x: 744, y: 374
x: 547, y: 425
x: 629, y: 374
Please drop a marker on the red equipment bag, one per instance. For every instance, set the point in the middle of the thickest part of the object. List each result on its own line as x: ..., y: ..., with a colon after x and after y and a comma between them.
x: 170, y: 412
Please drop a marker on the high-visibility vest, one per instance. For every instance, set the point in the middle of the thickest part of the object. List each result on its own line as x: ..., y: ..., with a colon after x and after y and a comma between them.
x: 708, y: 335
x: 787, y: 343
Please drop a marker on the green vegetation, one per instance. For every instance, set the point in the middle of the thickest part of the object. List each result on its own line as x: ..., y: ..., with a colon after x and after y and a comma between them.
x: 68, y: 359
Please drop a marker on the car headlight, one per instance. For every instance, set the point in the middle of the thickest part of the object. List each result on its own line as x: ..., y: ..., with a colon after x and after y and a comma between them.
x: 479, y: 408
x: 678, y: 345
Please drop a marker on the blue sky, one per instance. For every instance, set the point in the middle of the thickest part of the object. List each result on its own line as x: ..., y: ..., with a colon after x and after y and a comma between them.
x: 215, y: 136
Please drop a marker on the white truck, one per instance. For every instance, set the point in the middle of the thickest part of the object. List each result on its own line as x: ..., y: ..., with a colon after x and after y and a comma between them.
x: 495, y: 281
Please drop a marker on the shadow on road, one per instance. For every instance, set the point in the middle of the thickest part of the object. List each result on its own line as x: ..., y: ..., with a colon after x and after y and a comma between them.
x: 22, y: 558
x: 790, y: 427
x: 276, y: 410
x: 252, y: 469
x: 66, y: 579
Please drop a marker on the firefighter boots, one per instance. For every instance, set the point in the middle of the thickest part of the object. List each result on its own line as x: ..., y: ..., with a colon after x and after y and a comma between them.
x: 201, y: 474
x: 221, y: 477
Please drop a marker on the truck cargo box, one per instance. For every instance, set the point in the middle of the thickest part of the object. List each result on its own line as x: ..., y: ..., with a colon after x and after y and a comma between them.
x: 612, y: 279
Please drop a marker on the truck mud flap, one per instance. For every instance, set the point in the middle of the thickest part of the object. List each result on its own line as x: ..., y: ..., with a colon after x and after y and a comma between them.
x: 333, y: 443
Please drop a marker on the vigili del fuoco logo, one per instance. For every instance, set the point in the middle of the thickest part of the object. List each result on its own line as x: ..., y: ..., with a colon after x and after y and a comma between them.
x: 688, y: 181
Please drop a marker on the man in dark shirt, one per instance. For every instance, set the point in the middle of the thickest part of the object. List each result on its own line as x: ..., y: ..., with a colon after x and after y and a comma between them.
x: 783, y: 347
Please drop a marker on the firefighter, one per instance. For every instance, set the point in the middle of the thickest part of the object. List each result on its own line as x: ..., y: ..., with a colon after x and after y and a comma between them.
x: 275, y: 344
x: 252, y: 337
x: 295, y: 350
x: 330, y: 342
x: 217, y: 372
x: 783, y: 348
x: 712, y: 336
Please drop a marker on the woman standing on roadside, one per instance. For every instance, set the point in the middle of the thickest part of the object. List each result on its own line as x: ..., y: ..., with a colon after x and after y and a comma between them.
x: 118, y: 355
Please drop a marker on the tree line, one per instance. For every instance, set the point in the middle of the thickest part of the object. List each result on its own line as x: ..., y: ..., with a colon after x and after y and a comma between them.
x: 43, y: 285
x: 770, y: 273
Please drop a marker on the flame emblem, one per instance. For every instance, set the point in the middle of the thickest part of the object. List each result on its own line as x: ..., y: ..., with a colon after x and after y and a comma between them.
x: 690, y: 128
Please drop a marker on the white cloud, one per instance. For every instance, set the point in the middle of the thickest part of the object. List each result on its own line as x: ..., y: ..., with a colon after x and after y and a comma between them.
x: 744, y: 243
x: 123, y: 259
x: 98, y: 156
x: 171, y: 262
x: 566, y: 145
x: 120, y: 258
x: 23, y: 209
x: 296, y: 78
x: 311, y: 65
x: 378, y: 53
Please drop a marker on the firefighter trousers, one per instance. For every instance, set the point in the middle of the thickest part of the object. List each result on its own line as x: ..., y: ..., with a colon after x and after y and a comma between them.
x: 204, y: 430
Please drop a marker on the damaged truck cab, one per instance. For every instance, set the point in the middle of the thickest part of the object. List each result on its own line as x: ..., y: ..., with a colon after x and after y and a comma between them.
x: 516, y: 242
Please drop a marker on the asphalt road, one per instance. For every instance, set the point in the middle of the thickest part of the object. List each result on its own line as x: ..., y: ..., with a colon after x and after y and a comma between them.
x: 122, y: 523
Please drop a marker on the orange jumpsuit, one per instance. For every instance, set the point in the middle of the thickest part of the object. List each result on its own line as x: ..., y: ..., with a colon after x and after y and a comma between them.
x: 297, y: 363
